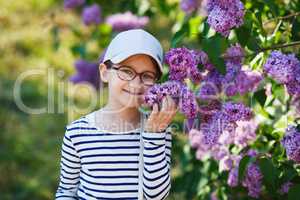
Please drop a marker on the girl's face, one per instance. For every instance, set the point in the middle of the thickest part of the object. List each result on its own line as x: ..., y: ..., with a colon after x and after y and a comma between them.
x: 128, y: 93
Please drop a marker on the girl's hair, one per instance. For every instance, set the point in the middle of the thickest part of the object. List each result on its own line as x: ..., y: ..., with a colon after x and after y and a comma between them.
x: 108, y: 64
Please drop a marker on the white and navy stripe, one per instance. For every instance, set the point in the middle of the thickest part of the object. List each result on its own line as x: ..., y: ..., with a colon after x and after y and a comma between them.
x: 102, y: 165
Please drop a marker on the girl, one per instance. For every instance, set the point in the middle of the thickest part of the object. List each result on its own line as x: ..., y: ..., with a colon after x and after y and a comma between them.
x: 112, y: 153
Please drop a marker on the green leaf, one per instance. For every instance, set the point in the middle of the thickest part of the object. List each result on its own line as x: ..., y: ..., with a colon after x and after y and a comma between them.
x: 294, y: 192
x: 179, y: 35
x: 243, y: 166
x: 243, y: 33
x: 55, y: 35
x: 272, y: 6
x: 215, y: 46
x: 260, y: 96
x: 79, y: 49
x: 288, y: 173
x: 253, y: 44
x: 269, y: 173
x: 279, y: 92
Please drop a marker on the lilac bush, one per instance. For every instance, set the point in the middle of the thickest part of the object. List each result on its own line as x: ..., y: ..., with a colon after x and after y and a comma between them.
x: 233, y: 109
x: 69, y: 4
x: 126, y: 21
x: 291, y: 143
x: 225, y: 15
x: 91, y: 15
x: 87, y: 72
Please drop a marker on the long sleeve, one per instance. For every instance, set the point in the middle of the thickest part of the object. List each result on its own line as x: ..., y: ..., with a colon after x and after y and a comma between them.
x: 70, y: 171
x: 157, y: 161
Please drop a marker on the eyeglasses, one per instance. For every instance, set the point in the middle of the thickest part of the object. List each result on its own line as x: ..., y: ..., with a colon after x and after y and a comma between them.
x: 126, y: 73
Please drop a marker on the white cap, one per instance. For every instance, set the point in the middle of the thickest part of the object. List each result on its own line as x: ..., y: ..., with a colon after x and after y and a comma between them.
x: 131, y: 42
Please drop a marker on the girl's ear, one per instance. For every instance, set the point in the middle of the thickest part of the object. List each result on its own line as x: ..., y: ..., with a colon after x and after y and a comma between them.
x: 103, y: 72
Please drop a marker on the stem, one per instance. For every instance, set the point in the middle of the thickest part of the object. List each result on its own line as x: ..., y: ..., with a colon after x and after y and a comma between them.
x: 282, y: 18
x: 279, y: 46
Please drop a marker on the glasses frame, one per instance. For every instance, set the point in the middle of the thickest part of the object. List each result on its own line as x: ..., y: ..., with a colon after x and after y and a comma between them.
x: 117, y: 67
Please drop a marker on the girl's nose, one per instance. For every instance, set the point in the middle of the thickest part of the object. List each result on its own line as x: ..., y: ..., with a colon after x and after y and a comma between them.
x: 136, y: 82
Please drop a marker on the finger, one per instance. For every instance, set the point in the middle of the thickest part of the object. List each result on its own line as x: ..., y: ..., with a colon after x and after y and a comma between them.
x: 172, y: 103
x: 155, y: 110
x: 164, y: 104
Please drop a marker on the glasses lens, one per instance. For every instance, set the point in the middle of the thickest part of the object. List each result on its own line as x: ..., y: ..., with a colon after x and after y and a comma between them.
x: 126, y: 73
x: 148, y: 78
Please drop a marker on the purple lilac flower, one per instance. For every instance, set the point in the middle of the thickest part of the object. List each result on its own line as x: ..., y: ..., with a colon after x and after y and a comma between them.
x: 248, y: 81
x: 225, y: 15
x: 291, y: 143
x: 285, y: 187
x: 218, y: 152
x: 293, y: 87
x: 253, y: 180
x: 188, y: 104
x: 69, y: 4
x: 86, y: 72
x: 213, y: 131
x: 187, y: 100
x: 188, y: 6
x: 195, y: 138
x: 281, y: 67
x: 236, y: 111
x: 91, y: 15
x: 174, y: 88
x: 232, y: 70
x: 235, y: 54
x: 230, y: 89
x: 213, y: 196
x: 211, y: 86
x: 183, y: 64
x: 225, y: 121
x: 207, y: 111
x: 232, y: 180
x: 226, y: 163
x: 125, y: 21
x: 245, y: 132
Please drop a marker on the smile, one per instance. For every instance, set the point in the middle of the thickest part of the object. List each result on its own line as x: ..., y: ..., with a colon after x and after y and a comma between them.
x: 133, y: 93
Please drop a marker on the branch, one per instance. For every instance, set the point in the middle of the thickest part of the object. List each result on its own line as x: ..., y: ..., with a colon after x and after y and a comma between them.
x: 279, y: 46
x: 282, y: 18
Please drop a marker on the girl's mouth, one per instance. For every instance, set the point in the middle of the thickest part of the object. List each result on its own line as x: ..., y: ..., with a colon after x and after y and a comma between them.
x: 133, y: 93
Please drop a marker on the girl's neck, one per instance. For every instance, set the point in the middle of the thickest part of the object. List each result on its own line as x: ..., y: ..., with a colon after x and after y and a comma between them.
x: 126, y: 114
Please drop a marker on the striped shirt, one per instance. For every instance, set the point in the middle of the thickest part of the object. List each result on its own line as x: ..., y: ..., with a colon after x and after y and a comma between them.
x: 97, y: 164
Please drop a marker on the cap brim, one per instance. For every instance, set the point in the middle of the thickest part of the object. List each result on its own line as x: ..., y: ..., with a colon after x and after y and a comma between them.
x: 122, y: 56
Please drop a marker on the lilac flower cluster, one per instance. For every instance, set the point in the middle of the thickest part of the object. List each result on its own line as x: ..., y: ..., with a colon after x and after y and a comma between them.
x: 253, y: 180
x: 281, y: 67
x: 86, y: 72
x: 125, y: 21
x: 253, y: 177
x: 291, y: 143
x: 236, y: 80
x: 189, y: 6
x: 69, y: 4
x: 225, y: 121
x: 179, y: 92
x: 225, y: 15
x: 295, y: 105
x: 91, y: 15
x: 245, y: 133
x: 285, y: 187
x: 284, y: 69
x: 184, y: 63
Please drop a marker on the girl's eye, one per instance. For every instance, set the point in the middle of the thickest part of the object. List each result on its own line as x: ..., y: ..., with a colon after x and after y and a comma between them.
x: 127, y: 71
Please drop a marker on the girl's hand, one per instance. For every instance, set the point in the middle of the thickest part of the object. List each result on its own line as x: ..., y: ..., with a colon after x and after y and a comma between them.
x: 158, y: 121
